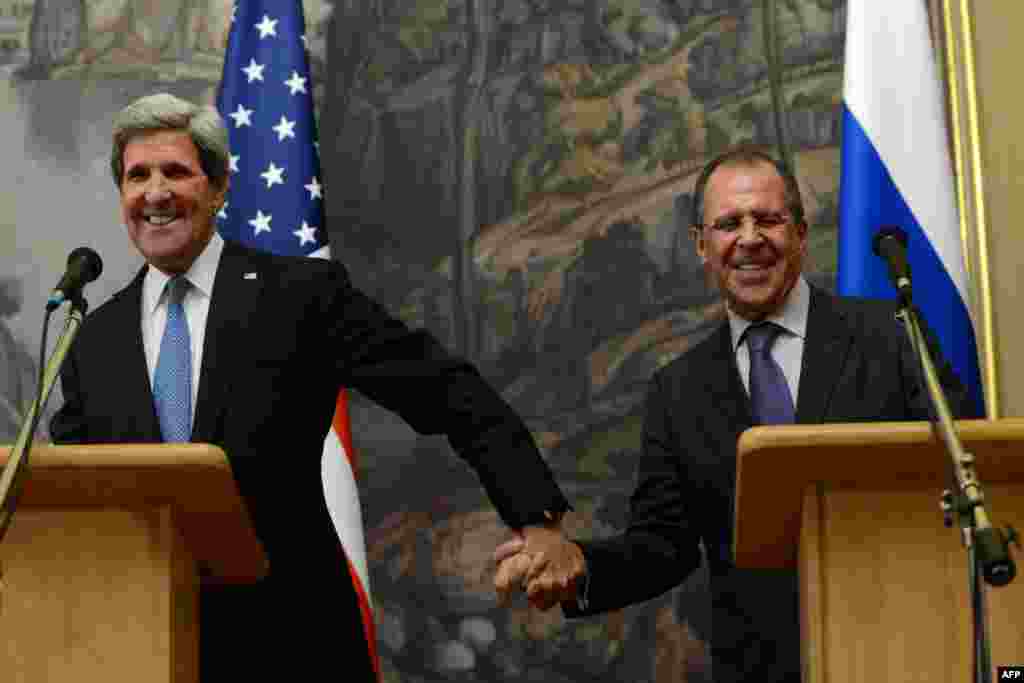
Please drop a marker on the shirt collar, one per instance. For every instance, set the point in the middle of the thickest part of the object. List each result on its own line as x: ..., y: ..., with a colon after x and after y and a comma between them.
x: 200, y: 275
x: 792, y: 317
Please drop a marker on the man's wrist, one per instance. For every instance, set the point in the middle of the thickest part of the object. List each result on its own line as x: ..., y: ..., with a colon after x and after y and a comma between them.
x: 548, y: 519
x: 554, y: 517
x: 583, y: 591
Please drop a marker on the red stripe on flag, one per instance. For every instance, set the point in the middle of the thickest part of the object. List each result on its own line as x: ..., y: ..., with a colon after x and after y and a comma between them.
x: 343, y: 428
x: 369, y: 627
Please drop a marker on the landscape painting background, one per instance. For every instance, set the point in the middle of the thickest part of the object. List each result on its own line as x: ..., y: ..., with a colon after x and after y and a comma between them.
x: 513, y: 175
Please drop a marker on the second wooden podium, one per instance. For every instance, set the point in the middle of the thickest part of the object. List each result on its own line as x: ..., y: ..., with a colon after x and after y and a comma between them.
x: 884, y: 585
x: 103, y: 559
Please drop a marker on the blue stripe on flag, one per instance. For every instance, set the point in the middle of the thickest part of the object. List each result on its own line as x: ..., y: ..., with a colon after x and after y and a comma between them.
x: 869, y: 199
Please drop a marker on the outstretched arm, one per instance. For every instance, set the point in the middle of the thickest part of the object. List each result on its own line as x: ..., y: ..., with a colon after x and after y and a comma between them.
x: 658, y: 550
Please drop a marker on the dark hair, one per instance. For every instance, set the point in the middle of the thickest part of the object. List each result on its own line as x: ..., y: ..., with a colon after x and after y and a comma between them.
x: 746, y: 155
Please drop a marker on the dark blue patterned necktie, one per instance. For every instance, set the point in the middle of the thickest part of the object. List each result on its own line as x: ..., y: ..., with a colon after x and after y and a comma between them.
x: 172, y: 382
x: 770, y: 399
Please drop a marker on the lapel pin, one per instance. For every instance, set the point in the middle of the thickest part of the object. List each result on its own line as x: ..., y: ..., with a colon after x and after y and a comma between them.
x: 249, y: 276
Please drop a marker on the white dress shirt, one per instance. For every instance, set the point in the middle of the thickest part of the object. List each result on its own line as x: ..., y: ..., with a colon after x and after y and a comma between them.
x: 196, y: 305
x: 788, y: 349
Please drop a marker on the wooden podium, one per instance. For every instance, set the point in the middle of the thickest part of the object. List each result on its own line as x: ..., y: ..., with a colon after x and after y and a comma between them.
x: 103, y: 559
x: 885, y: 593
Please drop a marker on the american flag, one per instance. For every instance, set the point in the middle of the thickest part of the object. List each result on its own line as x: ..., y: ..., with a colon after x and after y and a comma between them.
x: 276, y: 197
x: 275, y: 203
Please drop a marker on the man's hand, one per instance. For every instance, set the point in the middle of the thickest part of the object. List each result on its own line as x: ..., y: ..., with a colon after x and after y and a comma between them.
x: 544, y: 561
x: 513, y: 564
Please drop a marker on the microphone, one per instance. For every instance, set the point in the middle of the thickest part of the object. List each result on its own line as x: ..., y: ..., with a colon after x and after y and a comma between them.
x: 890, y: 244
x: 84, y: 266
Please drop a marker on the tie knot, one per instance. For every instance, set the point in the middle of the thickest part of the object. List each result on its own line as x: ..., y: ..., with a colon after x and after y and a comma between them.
x: 760, y: 336
x: 177, y: 288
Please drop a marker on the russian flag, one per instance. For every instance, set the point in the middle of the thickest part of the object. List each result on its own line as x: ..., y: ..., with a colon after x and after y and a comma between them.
x: 896, y: 171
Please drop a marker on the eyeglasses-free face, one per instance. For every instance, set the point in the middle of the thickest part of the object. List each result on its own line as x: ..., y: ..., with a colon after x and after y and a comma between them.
x: 749, y: 242
x: 167, y: 201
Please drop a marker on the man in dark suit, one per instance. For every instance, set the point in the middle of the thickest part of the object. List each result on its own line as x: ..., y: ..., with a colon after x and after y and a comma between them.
x: 215, y: 342
x: 826, y: 359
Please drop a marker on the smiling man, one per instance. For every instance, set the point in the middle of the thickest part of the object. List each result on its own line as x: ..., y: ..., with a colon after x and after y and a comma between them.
x: 168, y: 200
x: 755, y: 236
x: 787, y: 352
x: 219, y: 343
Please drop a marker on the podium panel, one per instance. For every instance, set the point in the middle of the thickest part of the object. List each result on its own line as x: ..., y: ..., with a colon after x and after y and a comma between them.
x: 102, y: 595
x: 885, y: 591
x: 103, y: 559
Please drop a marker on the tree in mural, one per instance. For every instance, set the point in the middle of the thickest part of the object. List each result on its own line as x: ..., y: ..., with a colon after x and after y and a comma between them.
x: 773, y: 58
x: 349, y: 42
x: 18, y: 369
x: 470, y: 90
x: 56, y: 32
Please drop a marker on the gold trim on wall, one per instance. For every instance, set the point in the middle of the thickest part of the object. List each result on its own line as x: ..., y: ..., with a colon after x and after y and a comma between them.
x: 952, y: 88
x: 974, y: 232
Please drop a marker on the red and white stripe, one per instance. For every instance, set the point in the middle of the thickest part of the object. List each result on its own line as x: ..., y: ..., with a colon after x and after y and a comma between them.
x: 338, y: 467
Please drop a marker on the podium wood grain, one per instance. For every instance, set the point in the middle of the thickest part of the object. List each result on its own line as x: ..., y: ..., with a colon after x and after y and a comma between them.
x: 884, y: 585
x: 103, y: 558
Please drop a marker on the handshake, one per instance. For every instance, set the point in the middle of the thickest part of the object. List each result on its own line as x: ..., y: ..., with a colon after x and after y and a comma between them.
x: 543, y: 563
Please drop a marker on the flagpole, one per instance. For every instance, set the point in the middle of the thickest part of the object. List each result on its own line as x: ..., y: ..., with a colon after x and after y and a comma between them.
x: 956, y: 120
x: 980, y: 216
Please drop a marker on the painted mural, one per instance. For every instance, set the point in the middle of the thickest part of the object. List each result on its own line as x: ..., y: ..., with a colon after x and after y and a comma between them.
x: 513, y: 175
x: 544, y: 153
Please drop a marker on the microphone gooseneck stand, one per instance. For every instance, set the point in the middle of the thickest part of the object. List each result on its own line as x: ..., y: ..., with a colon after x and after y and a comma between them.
x: 988, y: 553
x: 84, y: 266
x: 12, y: 479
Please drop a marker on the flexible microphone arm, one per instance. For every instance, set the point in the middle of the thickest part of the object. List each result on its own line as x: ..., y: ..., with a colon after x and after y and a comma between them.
x: 994, y: 558
x: 988, y: 550
x: 12, y: 480
x: 890, y: 244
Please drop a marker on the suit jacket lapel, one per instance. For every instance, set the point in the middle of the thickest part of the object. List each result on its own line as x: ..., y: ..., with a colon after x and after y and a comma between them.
x: 125, y: 344
x: 725, y: 388
x: 826, y: 348
x: 236, y: 289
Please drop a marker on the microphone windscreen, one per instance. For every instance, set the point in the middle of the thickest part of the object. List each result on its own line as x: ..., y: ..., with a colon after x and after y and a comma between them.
x: 885, y: 232
x: 87, y: 261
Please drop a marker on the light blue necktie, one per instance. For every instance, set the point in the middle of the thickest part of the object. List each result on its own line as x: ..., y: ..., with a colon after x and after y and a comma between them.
x: 770, y: 399
x: 172, y: 383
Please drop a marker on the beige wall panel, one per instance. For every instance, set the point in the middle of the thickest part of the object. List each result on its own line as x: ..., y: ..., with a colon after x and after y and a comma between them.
x: 1000, y: 102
